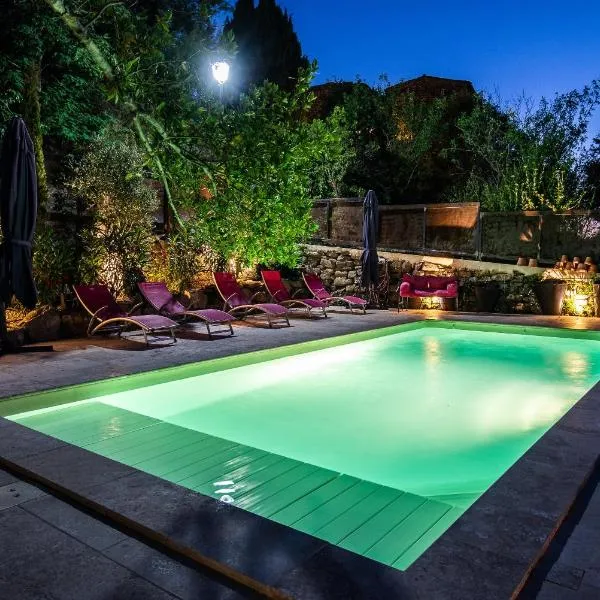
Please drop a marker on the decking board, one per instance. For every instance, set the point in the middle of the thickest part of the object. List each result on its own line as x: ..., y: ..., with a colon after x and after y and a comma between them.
x: 385, y: 524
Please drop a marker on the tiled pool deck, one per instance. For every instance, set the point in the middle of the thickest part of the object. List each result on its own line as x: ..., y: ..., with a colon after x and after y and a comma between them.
x: 488, y: 553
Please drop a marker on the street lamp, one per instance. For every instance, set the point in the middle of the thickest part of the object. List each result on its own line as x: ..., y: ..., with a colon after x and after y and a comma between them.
x: 220, y: 71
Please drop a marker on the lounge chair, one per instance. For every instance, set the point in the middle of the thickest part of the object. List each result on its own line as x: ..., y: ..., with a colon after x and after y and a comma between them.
x: 163, y: 302
x: 238, y: 303
x: 111, y: 318
x: 318, y: 290
x: 280, y: 294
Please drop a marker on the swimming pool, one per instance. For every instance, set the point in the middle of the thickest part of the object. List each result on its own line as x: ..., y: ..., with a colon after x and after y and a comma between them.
x: 376, y: 442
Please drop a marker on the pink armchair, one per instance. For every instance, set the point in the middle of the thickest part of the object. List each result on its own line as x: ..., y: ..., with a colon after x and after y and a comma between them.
x: 426, y: 286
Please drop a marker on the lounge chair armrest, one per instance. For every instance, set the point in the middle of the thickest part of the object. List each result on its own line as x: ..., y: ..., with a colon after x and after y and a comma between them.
x: 251, y: 301
x: 275, y: 296
x: 134, y: 308
x: 229, y: 298
x: 95, y: 315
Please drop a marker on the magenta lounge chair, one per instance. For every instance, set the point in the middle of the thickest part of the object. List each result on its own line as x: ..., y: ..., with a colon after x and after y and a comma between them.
x: 318, y: 290
x: 111, y: 318
x: 280, y: 294
x: 236, y: 300
x: 163, y: 302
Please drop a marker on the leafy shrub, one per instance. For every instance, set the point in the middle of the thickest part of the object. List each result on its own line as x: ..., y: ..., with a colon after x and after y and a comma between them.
x: 180, y: 260
x: 54, y: 263
x: 118, y: 243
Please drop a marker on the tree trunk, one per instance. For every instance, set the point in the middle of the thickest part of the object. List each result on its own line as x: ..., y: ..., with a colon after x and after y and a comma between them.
x: 32, y: 116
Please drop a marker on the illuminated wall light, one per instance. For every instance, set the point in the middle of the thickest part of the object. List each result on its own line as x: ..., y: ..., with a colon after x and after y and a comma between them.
x: 580, y: 302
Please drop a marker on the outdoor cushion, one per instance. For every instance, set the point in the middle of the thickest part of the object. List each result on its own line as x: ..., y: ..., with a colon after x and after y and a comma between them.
x: 428, y: 285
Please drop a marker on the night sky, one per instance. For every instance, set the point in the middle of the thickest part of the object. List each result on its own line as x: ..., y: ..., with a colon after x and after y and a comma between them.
x: 506, y: 47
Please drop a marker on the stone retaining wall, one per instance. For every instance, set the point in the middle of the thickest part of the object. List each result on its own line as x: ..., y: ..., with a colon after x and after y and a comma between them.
x: 340, y: 270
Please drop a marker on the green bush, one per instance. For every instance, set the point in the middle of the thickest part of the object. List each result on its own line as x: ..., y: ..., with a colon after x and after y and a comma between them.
x: 54, y: 263
x: 118, y: 243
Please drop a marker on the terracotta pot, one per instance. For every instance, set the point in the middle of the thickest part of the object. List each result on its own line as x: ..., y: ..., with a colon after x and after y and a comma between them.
x: 533, y: 262
x: 521, y: 262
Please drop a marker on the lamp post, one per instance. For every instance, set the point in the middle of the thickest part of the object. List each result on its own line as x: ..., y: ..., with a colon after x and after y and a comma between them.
x: 220, y: 71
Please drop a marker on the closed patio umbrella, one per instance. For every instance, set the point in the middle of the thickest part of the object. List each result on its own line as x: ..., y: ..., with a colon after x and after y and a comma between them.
x: 18, y: 212
x: 369, y: 259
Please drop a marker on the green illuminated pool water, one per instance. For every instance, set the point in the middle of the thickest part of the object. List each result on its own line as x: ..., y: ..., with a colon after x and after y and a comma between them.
x: 376, y: 442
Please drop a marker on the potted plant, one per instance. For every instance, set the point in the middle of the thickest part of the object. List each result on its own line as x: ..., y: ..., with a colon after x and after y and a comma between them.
x: 549, y: 294
x: 487, y: 294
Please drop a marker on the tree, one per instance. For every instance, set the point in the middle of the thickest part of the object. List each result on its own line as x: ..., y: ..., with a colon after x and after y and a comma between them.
x: 526, y: 157
x: 46, y: 79
x: 148, y: 71
x: 109, y: 180
x: 266, y: 153
x: 592, y: 172
x: 400, y: 142
x: 268, y: 47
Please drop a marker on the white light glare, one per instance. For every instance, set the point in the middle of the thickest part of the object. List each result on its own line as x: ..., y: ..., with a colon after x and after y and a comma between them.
x: 220, y: 71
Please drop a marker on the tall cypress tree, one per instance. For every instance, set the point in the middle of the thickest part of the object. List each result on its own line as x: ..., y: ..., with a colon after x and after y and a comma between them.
x: 269, y: 49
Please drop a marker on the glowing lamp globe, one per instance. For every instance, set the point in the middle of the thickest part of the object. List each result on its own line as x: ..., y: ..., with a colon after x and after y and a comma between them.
x: 220, y: 71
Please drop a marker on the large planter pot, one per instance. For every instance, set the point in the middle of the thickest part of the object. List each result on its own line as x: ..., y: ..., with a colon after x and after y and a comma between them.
x: 487, y: 296
x: 550, y: 296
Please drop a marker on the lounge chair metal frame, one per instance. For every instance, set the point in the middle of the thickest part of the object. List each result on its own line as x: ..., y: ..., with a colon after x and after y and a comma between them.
x: 189, y: 314
x: 247, y: 309
x: 293, y: 302
x: 111, y: 325
x: 336, y: 299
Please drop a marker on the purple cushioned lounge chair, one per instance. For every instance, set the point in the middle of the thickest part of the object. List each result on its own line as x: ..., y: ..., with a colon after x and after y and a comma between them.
x: 111, y: 318
x: 163, y: 302
x: 239, y: 304
x: 280, y: 294
x: 318, y: 290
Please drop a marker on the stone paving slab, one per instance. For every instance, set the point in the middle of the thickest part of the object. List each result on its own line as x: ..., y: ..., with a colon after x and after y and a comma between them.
x: 16, y: 493
x: 552, y: 591
x: 6, y: 478
x: 169, y: 574
x: 50, y: 550
x: 77, y: 524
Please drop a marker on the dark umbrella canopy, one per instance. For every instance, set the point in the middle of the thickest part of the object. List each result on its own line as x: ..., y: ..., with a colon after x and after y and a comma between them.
x: 18, y: 212
x: 369, y: 259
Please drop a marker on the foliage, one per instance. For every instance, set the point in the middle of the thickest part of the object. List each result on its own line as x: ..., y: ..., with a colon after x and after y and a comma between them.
x: 179, y: 260
x: 333, y: 154
x: 266, y: 152
x: 400, y: 142
x: 592, y: 172
x: 525, y: 158
x: 54, y: 263
x: 268, y: 46
x: 117, y: 245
